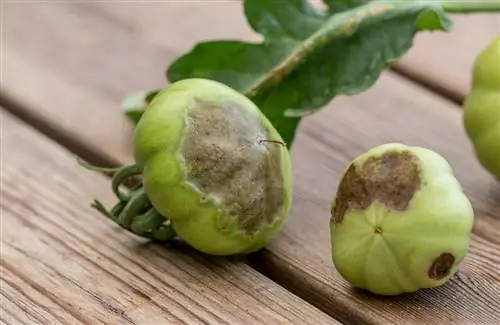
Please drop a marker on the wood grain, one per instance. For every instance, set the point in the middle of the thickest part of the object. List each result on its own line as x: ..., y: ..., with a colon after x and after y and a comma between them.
x: 87, y: 57
x: 61, y: 263
x: 393, y: 110
x: 444, y: 61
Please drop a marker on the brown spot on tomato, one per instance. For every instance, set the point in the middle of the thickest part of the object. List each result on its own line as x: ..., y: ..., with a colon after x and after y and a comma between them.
x: 249, y: 183
x: 391, y: 179
x: 441, y: 266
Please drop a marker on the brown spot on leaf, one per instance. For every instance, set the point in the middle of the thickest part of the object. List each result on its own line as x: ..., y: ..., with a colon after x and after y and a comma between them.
x: 441, y: 266
x: 379, y: 9
x: 350, y: 27
x: 391, y: 179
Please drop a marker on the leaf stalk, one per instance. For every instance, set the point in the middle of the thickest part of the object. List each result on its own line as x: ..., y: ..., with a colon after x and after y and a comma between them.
x: 471, y: 6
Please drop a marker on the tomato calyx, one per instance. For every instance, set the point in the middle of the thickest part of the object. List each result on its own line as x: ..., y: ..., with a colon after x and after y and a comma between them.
x: 133, y: 211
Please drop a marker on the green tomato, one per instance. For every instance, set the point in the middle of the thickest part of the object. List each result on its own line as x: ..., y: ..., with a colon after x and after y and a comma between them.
x: 215, y: 166
x: 482, y: 108
x: 400, y: 220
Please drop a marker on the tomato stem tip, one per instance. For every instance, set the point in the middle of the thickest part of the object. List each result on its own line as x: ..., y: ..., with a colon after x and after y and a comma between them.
x: 271, y: 141
x: 121, y: 175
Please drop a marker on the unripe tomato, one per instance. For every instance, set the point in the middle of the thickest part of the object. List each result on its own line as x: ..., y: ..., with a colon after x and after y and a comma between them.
x: 482, y: 108
x: 400, y: 220
x: 214, y: 165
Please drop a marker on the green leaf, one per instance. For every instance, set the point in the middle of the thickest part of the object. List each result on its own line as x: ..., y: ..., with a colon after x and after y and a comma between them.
x: 308, y: 56
x: 294, y: 19
x: 135, y: 104
x: 336, y: 6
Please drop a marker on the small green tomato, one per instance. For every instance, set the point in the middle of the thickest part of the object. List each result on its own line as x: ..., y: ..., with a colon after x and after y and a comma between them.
x: 400, y: 221
x: 215, y: 172
x: 482, y: 108
x: 215, y: 166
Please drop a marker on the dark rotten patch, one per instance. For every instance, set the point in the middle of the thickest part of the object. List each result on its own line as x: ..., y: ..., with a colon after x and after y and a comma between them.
x: 226, y: 159
x: 441, y: 266
x: 391, y: 179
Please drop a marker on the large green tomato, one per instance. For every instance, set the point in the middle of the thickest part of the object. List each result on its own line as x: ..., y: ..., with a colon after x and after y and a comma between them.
x: 213, y: 164
x: 482, y: 108
x: 400, y: 220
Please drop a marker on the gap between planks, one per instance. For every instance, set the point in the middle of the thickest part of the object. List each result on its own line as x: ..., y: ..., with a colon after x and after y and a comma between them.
x: 443, y: 62
x: 429, y: 84
x: 74, y: 143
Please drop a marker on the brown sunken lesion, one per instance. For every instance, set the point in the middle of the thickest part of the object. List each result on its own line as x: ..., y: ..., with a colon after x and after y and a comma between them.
x: 391, y: 179
x: 225, y: 158
x: 441, y: 266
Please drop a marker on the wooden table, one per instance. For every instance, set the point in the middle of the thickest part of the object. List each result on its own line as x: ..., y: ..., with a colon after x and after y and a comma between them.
x: 65, y: 69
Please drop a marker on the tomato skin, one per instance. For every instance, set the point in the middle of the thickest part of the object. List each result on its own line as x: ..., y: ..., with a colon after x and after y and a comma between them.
x: 482, y: 108
x: 196, y: 216
x: 400, y: 221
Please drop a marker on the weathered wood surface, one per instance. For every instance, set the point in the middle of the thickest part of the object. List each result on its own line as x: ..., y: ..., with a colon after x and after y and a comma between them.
x: 393, y: 111
x: 63, y: 263
x: 124, y: 48
x: 444, y: 61
x: 83, y: 59
x: 145, y: 37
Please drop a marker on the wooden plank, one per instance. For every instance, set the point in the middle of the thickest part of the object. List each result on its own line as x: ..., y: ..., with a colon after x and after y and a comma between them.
x: 444, y: 61
x: 114, y: 49
x: 392, y: 111
x: 63, y: 264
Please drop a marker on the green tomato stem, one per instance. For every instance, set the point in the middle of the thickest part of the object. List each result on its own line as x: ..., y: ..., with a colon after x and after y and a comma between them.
x: 133, y: 211
x: 151, y: 225
x: 100, y: 207
x: 138, y: 202
x: 89, y: 166
x: 147, y: 222
x: 164, y: 233
x: 117, y: 209
x: 120, y: 176
x: 471, y: 6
